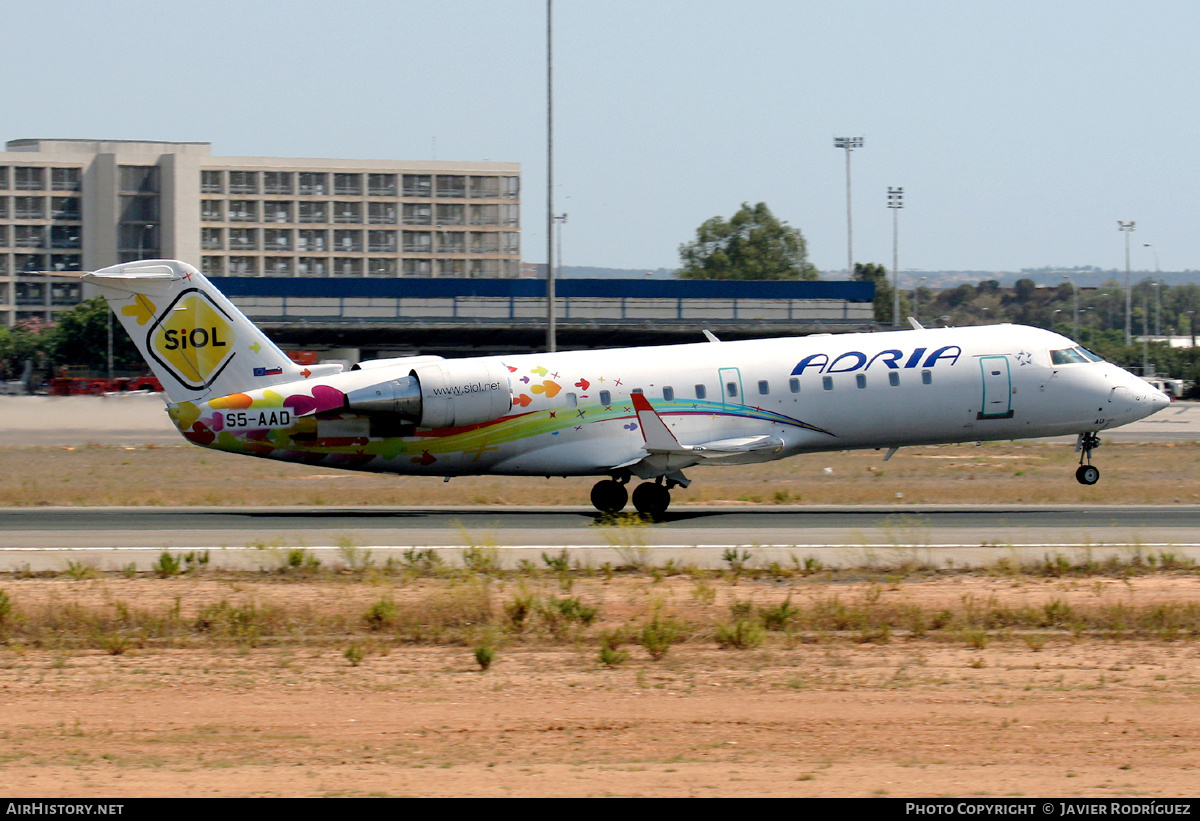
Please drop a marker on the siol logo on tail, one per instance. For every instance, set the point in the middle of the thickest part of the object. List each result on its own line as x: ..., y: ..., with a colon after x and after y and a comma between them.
x: 192, y: 339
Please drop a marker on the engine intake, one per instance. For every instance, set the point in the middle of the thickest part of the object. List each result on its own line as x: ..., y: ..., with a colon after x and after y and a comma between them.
x: 442, y: 394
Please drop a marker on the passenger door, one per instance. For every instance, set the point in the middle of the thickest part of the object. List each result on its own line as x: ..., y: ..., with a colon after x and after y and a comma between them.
x: 997, y: 388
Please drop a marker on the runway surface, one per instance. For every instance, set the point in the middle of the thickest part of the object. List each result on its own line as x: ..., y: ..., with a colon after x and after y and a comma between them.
x: 112, y: 538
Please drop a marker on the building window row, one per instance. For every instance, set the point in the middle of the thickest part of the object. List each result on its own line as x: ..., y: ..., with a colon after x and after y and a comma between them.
x: 34, y: 208
x: 136, y: 208
x: 34, y: 178
x: 32, y: 263
x: 139, y: 179
x: 350, y: 184
x: 35, y: 293
x: 352, y: 241
x: 353, y: 213
x: 301, y: 266
x: 28, y: 236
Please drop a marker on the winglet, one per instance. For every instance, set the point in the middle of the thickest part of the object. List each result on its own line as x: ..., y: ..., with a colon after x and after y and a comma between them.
x: 656, y: 433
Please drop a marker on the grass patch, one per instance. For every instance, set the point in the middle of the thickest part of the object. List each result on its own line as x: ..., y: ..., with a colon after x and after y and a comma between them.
x: 426, y: 602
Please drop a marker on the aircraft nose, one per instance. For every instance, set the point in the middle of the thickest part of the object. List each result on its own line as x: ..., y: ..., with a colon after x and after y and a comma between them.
x: 1133, y: 398
x: 1147, y: 399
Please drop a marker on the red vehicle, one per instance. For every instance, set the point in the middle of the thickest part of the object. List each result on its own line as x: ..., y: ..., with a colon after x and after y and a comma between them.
x: 66, y: 384
x: 303, y: 357
x: 142, y: 383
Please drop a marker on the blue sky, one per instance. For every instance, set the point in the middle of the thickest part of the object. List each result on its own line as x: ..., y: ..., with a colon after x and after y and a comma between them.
x: 1021, y: 131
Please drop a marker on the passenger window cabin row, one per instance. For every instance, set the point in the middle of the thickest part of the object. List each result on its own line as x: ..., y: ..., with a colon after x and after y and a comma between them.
x: 764, y: 386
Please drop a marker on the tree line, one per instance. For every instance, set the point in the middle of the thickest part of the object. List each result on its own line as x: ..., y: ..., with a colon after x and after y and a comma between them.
x: 77, y: 340
x: 1097, y: 324
x: 754, y: 244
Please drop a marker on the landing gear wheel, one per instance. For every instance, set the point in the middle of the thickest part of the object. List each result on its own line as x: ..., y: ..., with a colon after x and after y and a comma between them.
x: 609, y: 496
x: 1086, y: 474
x: 651, y: 499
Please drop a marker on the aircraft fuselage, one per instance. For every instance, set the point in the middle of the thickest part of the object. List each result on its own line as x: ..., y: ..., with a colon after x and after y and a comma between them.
x: 572, y: 412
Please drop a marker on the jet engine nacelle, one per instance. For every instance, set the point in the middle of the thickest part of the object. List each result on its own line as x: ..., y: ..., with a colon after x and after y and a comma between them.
x: 408, y: 361
x: 441, y: 394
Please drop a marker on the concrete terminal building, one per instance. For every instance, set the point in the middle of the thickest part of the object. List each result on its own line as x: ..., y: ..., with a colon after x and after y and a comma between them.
x: 385, y: 257
x: 73, y: 205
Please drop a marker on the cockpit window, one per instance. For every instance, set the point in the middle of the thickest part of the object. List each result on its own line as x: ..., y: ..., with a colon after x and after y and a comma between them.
x: 1092, y: 355
x: 1068, y: 356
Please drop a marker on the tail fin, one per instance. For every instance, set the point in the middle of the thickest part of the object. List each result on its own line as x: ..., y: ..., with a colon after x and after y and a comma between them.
x: 197, y: 343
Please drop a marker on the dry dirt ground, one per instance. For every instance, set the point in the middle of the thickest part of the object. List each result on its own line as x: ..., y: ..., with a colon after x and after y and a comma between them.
x: 823, y: 715
x: 818, y: 715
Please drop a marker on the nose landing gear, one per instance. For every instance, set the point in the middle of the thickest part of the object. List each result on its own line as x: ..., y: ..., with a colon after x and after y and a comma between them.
x: 1087, y: 474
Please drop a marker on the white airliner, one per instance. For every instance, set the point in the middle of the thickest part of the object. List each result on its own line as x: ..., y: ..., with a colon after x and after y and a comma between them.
x: 646, y: 412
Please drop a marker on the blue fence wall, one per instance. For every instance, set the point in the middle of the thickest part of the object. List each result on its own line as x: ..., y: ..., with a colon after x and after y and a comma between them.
x: 315, y: 287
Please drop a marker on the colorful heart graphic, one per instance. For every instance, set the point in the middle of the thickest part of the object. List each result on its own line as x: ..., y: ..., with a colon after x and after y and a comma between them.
x: 549, y: 388
x: 142, y: 309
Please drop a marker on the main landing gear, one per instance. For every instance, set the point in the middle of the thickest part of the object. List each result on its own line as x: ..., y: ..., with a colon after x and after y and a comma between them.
x: 610, y: 495
x: 1087, y: 474
x: 650, y: 498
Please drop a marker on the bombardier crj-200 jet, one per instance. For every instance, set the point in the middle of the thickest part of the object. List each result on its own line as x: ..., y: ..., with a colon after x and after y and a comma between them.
x: 620, y: 413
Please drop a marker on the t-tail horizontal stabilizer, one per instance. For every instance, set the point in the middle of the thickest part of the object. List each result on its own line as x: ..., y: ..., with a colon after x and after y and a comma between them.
x: 198, y: 343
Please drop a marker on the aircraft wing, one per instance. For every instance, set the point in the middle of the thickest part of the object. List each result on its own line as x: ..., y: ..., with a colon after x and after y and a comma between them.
x: 742, y: 444
x: 661, y: 442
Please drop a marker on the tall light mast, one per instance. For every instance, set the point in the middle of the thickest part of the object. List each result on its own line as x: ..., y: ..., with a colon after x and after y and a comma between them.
x: 848, y: 144
x: 551, y: 341
x: 1127, y: 228
x: 895, y: 202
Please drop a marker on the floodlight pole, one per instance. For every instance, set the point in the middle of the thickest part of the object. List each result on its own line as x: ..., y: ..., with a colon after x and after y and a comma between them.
x: 1075, y: 289
x: 1145, y: 334
x: 895, y: 202
x: 551, y: 341
x: 1127, y: 228
x: 1157, y: 291
x: 559, y: 219
x: 848, y: 144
